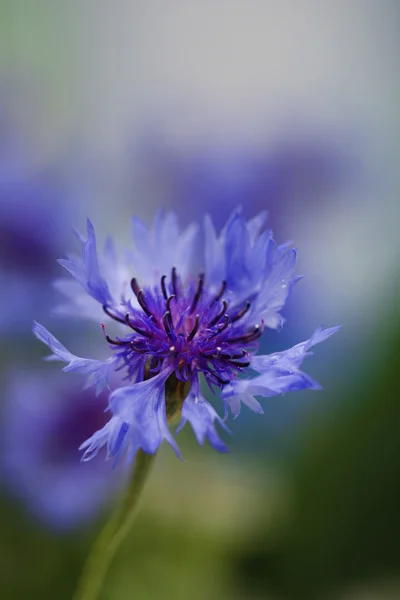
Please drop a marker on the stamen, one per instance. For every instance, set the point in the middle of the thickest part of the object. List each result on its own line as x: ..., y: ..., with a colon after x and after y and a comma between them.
x: 241, y: 312
x: 167, y: 323
x: 242, y: 354
x: 221, y: 292
x: 239, y: 364
x: 257, y: 333
x: 107, y: 311
x: 219, y: 379
x: 110, y: 340
x: 219, y: 315
x: 136, y: 349
x: 194, y: 330
x: 222, y: 327
x: 168, y: 303
x: 142, y: 302
x: 174, y: 281
x: 198, y: 293
x: 164, y: 287
x: 136, y: 328
x: 248, y: 337
x: 206, y: 355
x: 135, y: 286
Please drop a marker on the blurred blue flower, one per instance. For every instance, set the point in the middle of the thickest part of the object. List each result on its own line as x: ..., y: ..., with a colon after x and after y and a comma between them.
x: 292, y: 170
x: 44, y: 420
x: 35, y: 203
x: 178, y: 329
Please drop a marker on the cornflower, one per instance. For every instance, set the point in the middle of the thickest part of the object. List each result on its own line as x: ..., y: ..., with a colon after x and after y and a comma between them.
x: 177, y: 326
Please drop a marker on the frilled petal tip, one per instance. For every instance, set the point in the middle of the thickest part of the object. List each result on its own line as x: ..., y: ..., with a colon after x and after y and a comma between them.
x: 139, y: 421
x: 202, y: 417
x: 291, y: 359
x: 162, y: 246
x: 252, y: 264
x: 86, y: 269
x: 98, y: 371
x: 279, y: 373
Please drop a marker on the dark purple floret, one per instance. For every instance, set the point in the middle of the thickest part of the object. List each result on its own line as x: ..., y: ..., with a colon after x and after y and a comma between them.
x: 187, y: 328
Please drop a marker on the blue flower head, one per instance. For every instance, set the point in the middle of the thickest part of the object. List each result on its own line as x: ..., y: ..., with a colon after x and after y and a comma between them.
x: 44, y: 419
x: 175, y: 327
x: 36, y: 200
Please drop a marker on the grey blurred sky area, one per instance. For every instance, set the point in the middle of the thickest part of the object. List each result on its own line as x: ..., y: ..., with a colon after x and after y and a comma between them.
x: 227, y: 64
x: 241, y: 71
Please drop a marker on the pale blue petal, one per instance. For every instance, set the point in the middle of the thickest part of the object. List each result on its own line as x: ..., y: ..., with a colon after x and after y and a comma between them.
x: 255, y: 225
x: 202, y: 416
x: 139, y: 421
x: 86, y: 270
x: 292, y: 358
x: 98, y: 371
x: 162, y: 247
x: 279, y: 374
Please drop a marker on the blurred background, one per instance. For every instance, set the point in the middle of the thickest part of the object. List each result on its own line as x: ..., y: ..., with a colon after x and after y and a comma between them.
x: 109, y: 109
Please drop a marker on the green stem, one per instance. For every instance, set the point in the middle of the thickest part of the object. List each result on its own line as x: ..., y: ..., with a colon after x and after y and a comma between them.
x: 104, y: 548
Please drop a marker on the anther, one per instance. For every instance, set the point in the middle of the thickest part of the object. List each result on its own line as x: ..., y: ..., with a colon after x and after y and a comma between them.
x: 197, y: 295
x: 239, y: 364
x: 207, y: 355
x: 135, y: 327
x: 194, y: 330
x: 167, y: 323
x: 256, y: 333
x: 168, y: 302
x: 111, y: 341
x: 248, y: 337
x: 164, y: 287
x: 107, y: 311
x: 174, y: 281
x: 224, y: 325
x: 219, y: 315
x: 221, y: 292
x: 135, y: 286
x: 241, y: 312
x: 136, y: 349
x: 220, y: 379
x: 241, y: 354
x: 142, y: 302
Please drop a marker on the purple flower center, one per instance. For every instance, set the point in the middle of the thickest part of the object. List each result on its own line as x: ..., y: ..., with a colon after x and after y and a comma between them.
x: 186, y: 328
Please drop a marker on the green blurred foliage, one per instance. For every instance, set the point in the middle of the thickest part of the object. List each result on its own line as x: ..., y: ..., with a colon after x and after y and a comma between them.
x: 191, y: 516
x: 318, y: 522
x: 341, y: 528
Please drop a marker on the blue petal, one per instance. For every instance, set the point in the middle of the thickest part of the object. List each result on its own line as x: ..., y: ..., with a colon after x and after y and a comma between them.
x: 253, y: 266
x: 237, y: 247
x: 279, y: 374
x: 162, y: 247
x: 98, y: 371
x: 139, y: 421
x: 87, y: 271
x: 214, y: 255
x: 276, y: 285
x: 255, y: 225
x: 201, y: 415
x: 291, y: 359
